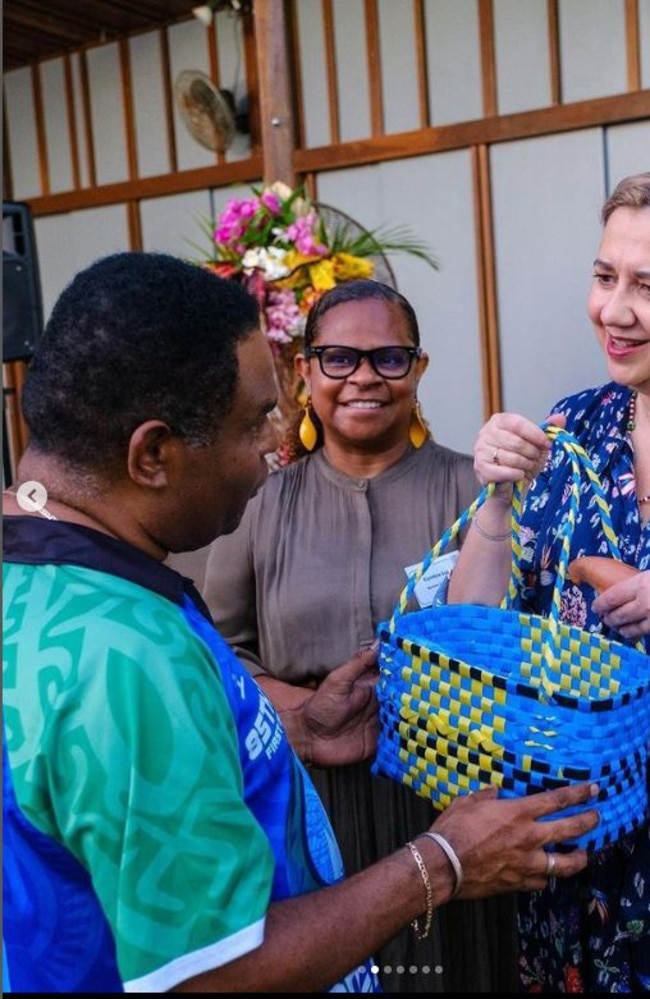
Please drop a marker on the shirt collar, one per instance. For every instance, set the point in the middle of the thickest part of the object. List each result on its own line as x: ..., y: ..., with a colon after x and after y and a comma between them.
x: 36, y: 541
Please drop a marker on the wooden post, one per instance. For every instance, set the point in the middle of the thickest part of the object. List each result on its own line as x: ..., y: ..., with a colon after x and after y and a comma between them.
x: 276, y: 110
x: 14, y: 428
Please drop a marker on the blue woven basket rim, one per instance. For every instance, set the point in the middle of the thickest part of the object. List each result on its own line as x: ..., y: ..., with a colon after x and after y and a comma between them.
x: 630, y: 688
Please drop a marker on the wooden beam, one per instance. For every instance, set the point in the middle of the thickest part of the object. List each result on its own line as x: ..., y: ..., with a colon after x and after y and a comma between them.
x: 276, y: 119
x: 332, y: 72
x: 596, y: 112
x: 374, y: 68
x: 421, y: 60
x: 488, y: 66
x: 16, y: 430
x: 237, y: 172
x: 555, y: 74
x: 632, y: 44
x: 486, y: 282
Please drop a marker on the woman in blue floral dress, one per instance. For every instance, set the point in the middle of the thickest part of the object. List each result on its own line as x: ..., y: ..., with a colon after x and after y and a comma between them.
x: 590, y: 933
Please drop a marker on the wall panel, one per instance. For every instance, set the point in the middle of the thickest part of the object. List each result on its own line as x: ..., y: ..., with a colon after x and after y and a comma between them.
x: 21, y: 130
x: 522, y: 55
x: 170, y: 225
x: 547, y: 195
x: 627, y: 150
x: 57, y: 125
x: 107, y: 107
x: 397, y: 48
x: 352, y: 63
x: 313, y: 72
x: 149, y: 105
x: 592, y: 48
x: 453, y: 55
x: 86, y: 235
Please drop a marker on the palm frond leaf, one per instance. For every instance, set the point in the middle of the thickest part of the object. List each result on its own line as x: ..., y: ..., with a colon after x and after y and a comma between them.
x: 396, y: 239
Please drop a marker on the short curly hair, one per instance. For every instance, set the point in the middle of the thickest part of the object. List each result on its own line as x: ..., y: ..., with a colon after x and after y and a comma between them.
x: 630, y: 192
x: 134, y: 337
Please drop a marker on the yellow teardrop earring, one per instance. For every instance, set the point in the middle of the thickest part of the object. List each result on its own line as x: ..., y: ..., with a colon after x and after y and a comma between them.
x: 419, y: 429
x: 307, y: 431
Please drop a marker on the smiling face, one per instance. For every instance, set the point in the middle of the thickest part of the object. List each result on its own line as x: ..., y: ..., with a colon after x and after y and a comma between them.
x: 619, y: 301
x: 363, y: 412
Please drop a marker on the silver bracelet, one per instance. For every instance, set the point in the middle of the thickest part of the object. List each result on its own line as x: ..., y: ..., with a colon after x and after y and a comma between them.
x: 486, y: 534
x: 451, y: 857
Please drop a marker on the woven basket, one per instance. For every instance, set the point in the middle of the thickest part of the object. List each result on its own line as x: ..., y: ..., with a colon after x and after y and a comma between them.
x: 472, y: 696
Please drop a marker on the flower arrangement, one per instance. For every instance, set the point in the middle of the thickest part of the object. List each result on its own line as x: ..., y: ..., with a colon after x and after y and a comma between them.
x: 278, y: 244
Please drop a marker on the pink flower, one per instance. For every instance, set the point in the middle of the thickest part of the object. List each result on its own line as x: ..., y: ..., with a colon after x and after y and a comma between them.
x: 234, y: 221
x: 284, y: 320
x: 301, y: 233
x: 271, y: 201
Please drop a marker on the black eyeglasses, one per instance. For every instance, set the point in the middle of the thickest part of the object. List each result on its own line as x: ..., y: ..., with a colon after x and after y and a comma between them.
x: 341, y: 362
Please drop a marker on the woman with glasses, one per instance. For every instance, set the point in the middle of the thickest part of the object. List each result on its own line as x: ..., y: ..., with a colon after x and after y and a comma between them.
x: 321, y: 557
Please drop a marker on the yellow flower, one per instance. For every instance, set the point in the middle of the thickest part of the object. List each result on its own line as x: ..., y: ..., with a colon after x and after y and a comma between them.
x: 322, y: 274
x: 298, y: 276
x: 348, y: 267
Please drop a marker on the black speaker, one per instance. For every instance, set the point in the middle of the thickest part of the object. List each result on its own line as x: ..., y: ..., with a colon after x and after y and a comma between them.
x: 22, y: 308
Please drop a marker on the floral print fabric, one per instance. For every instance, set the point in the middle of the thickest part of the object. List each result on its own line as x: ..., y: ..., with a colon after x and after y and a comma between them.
x: 590, y: 933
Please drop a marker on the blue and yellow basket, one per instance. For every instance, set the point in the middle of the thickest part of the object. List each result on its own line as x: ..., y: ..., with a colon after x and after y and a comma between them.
x: 472, y: 696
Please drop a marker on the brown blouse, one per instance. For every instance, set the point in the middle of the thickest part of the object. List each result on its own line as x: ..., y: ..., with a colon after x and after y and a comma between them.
x: 319, y: 558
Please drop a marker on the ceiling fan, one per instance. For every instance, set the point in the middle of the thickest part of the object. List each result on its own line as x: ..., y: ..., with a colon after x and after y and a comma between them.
x: 209, y: 113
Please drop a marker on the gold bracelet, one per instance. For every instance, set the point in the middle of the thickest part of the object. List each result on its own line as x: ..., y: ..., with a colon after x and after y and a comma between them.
x: 422, y: 932
x: 486, y: 534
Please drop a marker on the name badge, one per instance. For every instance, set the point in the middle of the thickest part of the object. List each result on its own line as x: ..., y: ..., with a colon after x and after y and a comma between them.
x: 431, y: 588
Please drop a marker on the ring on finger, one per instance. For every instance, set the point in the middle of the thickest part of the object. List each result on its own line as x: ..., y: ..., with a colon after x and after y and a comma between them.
x: 495, y: 456
x: 550, y: 864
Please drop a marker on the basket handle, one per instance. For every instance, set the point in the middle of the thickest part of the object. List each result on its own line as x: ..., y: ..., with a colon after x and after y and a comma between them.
x: 580, y: 461
x: 437, y: 549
